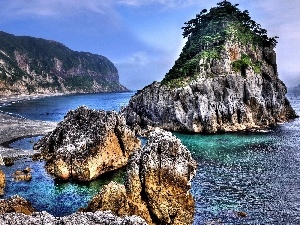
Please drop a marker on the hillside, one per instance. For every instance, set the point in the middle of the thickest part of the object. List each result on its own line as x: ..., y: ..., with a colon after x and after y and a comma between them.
x: 225, y: 79
x: 34, y: 65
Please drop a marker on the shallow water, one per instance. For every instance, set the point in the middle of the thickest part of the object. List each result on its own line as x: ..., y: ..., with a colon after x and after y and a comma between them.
x: 254, y: 173
x: 57, y: 198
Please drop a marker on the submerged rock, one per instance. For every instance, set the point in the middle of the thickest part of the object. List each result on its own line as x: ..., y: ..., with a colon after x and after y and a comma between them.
x: 16, y: 204
x: 157, y: 185
x: 2, y: 182
x: 22, y: 175
x: 86, y: 144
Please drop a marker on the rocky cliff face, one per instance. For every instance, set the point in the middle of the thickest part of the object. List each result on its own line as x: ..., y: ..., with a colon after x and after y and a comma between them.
x: 225, y: 79
x: 33, y: 65
x: 86, y: 144
x: 157, y: 184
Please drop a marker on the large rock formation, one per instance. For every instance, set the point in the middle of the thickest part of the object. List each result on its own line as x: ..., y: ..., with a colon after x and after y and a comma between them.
x: 157, y: 184
x: 225, y: 79
x: 2, y: 182
x: 33, y: 65
x: 16, y: 204
x: 86, y: 144
x: 44, y: 218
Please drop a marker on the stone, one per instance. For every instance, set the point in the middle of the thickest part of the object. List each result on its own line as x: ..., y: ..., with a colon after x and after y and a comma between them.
x: 22, y: 175
x: 27, y: 170
x: 8, y: 161
x: 44, y: 218
x: 16, y: 204
x: 157, y: 184
x: 2, y: 182
x: 86, y: 144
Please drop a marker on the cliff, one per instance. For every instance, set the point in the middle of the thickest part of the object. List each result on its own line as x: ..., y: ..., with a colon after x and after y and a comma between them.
x: 86, y: 144
x: 225, y: 79
x: 34, y: 65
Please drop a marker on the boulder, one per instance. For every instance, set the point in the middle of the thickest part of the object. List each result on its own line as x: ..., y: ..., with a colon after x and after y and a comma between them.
x: 16, y: 204
x: 22, y: 175
x: 2, y: 182
x: 86, y: 144
x: 157, y: 184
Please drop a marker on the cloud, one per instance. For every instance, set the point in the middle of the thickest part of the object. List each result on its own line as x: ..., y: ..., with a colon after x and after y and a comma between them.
x: 52, y: 8
x: 165, y: 3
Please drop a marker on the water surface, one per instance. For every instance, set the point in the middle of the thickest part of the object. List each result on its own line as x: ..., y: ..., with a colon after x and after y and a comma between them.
x: 254, y: 173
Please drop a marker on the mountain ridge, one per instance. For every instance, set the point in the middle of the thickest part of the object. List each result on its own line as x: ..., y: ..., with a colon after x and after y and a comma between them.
x: 34, y: 65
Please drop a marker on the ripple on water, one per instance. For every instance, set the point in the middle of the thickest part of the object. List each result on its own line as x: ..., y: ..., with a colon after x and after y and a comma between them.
x: 44, y: 193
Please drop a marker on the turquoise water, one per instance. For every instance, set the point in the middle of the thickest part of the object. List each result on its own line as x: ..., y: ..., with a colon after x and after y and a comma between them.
x: 255, y: 173
x: 45, y: 194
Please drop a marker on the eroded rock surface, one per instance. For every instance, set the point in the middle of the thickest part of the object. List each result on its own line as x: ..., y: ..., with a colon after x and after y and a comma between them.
x: 157, y: 185
x: 2, y: 182
x: 218, y: 97
x: 86, y: 144
x: 44, y: 218
x: 16, y: 204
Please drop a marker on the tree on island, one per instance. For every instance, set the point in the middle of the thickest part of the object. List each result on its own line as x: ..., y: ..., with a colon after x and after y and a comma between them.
x: 209, y: 30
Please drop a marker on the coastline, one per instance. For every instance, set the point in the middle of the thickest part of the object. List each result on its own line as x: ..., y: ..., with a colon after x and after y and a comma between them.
x: 12, y: 128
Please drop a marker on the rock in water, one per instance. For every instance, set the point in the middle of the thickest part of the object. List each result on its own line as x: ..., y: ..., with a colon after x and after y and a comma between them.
x: 157, y: 185
x: 86, y: 144
x: 2, y: 182
x: 15, y: 204
x: 225, y: 79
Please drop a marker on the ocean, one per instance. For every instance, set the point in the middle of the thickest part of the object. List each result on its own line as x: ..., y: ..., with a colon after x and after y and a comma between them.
x: 242, y: 178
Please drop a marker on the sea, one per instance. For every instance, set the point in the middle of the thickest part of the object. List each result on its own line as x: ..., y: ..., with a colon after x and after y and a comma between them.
x: 242, y: 178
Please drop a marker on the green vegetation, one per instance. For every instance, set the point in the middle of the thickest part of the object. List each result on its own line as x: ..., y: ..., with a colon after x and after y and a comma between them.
x: 244, y: 63
x: 207, y: 34
x: 76, y: 70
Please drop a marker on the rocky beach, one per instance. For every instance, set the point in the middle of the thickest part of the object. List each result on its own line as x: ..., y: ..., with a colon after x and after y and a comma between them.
x: 13, y: 128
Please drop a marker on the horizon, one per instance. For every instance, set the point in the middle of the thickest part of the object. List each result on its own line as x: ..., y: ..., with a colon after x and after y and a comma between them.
x: 144, y: 38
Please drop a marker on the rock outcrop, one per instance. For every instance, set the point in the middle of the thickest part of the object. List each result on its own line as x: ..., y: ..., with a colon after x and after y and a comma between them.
x: 44, y: 218
x: 16, y: 204
x: 24, y: 175
x: 157, y: 184
x: 33, y: 65
x: 2, y: 182
x: 86, y: 144
x: 225, y: 79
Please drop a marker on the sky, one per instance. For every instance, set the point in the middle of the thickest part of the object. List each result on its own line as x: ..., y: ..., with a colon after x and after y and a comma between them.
x: 143, y: 38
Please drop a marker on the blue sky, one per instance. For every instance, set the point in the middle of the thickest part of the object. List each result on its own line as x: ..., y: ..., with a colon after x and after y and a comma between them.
x: 143, y: 37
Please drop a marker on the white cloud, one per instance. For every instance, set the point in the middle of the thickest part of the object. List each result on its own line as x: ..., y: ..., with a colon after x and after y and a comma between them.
x: 165, y: 3
x: 49, y: 8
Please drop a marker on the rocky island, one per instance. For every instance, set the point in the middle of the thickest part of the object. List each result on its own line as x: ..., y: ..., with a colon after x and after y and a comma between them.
x: 31, y: 65
x: 225, y: 79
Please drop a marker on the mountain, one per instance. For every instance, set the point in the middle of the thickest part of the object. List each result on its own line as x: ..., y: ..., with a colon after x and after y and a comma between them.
x: 34, y: 65
x: 225, y: 79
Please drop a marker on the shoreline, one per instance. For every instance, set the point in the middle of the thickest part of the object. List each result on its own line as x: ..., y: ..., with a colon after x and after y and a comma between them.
x: 12, y: 127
